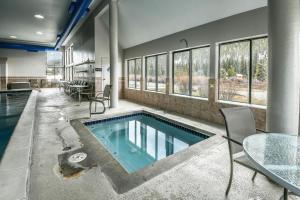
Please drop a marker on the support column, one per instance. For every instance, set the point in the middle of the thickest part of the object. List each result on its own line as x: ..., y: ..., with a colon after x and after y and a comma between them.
x: 114, y: 52
x: 283, y: 85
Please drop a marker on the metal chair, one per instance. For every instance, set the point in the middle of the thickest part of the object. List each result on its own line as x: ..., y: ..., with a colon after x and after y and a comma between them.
x: 239, y: 123
x: 101, y: 97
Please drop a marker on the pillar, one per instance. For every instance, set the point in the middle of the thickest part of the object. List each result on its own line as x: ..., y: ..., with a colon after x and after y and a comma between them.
x: 114, y: 47
x: 283, y: 84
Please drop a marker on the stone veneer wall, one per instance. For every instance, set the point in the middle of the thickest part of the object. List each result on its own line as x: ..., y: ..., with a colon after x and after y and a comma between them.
x: 204, y: 109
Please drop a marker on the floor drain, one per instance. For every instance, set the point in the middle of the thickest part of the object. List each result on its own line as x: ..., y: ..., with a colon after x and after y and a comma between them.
x: 77, y: 157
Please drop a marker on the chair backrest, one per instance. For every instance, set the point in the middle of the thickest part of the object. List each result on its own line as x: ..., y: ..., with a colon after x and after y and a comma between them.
x: 239, y: 123
x: 106, y: 92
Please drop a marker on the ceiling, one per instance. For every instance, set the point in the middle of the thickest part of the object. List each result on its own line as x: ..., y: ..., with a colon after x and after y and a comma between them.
x: 145, y: 20
x: 17, y: 19
x: 139, y: 20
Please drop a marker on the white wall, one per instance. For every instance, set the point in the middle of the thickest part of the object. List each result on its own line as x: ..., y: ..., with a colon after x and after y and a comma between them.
x: 23, y: 63
x: 102, y: 48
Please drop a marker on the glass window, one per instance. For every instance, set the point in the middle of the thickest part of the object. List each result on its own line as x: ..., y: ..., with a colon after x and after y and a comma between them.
x: 138, y: 72
x: 55, y: 73
x: 234, y: 71
x: 59, y: 73
x: 191, y: 72
x: 50, y: 73
x: 243, y: 67
x: 161, y: 73
x: 156, y: 73
x: 131, y: 74
x: 200, y: 72
x: 54, y: 58
x: 259, y: 71
x: 134, y: 73
x: 181, y: 72
x: 151, y: 73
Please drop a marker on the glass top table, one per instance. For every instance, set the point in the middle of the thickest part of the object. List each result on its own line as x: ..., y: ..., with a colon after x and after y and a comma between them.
x: 277, y: 156
x: 79, y: 89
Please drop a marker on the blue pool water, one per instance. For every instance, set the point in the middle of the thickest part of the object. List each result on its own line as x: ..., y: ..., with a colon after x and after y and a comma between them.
x: 11, y: 107
x: 140, y: 140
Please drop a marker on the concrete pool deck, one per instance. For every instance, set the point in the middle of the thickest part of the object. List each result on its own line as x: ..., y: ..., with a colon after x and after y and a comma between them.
x: 203, y: 176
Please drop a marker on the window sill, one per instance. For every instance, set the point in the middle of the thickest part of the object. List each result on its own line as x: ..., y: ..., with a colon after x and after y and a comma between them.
x: 134, y: 89
x: 242, y: 104
x: 190, y: 97
x: 156, y: 92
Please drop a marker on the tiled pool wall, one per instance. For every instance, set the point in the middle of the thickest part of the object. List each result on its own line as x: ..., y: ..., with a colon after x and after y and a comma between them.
x: 194, y: 107
x: 142, y: 113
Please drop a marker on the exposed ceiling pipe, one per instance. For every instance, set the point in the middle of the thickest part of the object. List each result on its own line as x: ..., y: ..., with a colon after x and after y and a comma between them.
x: 186, y: 42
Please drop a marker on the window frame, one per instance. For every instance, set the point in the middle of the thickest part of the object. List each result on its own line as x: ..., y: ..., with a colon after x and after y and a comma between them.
x: 156, y: 71
x: 250, y: 40
x: 54, y: 68
x: 128, y: 60
x: 190, y: 69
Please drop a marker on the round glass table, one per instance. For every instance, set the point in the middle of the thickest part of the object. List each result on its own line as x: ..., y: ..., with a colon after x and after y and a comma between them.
x: 277, y: 156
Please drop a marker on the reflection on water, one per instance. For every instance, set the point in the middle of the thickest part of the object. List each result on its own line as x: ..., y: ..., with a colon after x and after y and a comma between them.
x: 141, y: 140
x: 155, y: 143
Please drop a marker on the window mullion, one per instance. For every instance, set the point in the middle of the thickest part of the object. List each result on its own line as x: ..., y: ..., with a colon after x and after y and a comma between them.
x: 156, y: 73
x: 128, y: 73
x: 135, y: 73
x: 190, y: 73
x: 146, y: 71
x: 250, y: 74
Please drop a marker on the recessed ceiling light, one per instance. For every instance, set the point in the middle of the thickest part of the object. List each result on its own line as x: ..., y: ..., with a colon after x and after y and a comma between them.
x: 38, y: 16
x: 39, y: 33
x: 13, y: 37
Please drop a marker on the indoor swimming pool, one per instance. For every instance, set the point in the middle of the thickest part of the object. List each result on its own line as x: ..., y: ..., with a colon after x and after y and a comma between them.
x: 139, y: 140
x: 11, y: 107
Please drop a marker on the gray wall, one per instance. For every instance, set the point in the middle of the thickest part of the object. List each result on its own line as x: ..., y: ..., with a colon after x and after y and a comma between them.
x: 246, y: 24
x: 84, y: 39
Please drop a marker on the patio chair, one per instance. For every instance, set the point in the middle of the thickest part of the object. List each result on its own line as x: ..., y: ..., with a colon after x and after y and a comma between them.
x: 239, y: 123
x: 101, y: 97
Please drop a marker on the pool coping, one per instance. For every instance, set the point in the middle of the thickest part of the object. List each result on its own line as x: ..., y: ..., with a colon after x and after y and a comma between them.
x: 119, y: 178
x: 16, y: 160
x: 15, y: 90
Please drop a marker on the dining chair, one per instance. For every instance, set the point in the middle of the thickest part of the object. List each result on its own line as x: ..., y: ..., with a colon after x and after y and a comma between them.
x: 240, y: 123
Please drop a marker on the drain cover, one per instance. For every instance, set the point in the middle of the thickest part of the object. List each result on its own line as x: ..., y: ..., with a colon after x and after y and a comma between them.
x: 77, y: 157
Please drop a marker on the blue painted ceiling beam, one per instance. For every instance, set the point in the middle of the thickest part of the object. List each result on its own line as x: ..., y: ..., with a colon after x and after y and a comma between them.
x: 77, y: 10
x: 80, y: 12
x: 28, y: 47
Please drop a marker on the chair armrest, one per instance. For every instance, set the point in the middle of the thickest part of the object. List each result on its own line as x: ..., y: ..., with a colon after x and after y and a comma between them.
x: 98, y: 93
x: 231, y: 140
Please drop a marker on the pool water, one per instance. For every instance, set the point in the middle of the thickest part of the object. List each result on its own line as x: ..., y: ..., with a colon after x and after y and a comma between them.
x: 140, y: 140
x: 11, y: 107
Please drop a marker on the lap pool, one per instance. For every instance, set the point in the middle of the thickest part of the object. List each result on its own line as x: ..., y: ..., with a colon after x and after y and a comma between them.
x: 140, y: 139
x: 11, y: 107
